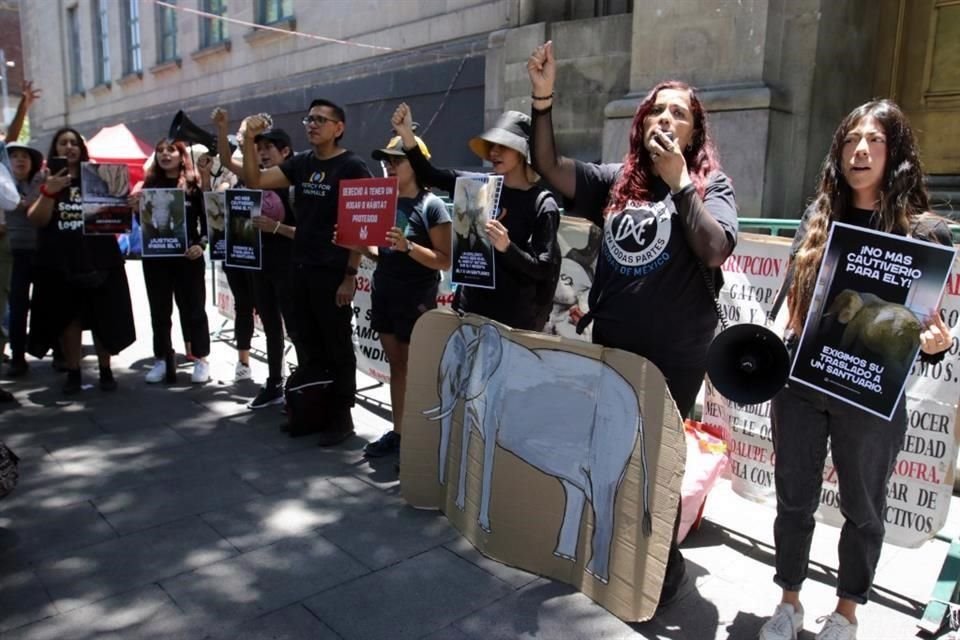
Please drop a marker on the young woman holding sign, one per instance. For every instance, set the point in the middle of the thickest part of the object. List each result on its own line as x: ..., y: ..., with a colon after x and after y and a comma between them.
x: 180, y: 278
x: 524, y: 234
x: 407, y: 277
x: 871, y: 178
x: 80, y: 282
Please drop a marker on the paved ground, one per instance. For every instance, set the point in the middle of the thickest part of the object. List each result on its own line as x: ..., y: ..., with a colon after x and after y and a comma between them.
x: 173, y: 512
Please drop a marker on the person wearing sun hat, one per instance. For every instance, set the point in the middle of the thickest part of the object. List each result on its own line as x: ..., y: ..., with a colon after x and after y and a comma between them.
x: 407, y: 277
x: 524, y: 233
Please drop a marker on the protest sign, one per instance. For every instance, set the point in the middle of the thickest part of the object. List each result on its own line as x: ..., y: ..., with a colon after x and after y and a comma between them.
x: 366, y: 210
x: 875, y: 293
x: 163, y: 224
x: 243, y: 248
x: 475, y: 202
x: 104, y: 190
x: 215, y: 208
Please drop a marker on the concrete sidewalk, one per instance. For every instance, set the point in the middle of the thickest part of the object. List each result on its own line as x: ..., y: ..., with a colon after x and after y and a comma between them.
x: 174, y: 512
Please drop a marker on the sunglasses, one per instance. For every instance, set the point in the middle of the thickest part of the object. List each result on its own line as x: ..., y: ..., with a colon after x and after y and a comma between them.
x: 317, y: 120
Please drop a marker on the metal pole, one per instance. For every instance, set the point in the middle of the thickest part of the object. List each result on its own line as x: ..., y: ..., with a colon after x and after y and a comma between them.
x: 3, y: 82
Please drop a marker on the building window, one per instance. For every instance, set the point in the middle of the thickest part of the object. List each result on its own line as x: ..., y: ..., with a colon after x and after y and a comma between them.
x: 612, y: 7
x: 166, y: 33
x: 213, y: 31
x: 132, y: 62
x: 270, y: 11
x: 73, y: 36
x: 101, y: 43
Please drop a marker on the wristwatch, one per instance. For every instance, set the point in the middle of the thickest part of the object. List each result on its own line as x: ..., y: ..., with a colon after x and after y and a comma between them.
x: 409, y: 247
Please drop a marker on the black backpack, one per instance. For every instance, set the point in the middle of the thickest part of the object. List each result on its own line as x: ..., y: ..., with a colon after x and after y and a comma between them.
x: 309, y: 398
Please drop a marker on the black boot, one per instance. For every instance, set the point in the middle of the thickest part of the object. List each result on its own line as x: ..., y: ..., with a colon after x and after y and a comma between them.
x: 170, y: 377
x: 73, y: 385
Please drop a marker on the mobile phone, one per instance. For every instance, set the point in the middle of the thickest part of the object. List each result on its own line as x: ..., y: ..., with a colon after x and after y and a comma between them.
x: 56, y: 164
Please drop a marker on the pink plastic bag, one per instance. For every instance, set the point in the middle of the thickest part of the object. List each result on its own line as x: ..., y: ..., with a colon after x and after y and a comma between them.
x: 706, y: 460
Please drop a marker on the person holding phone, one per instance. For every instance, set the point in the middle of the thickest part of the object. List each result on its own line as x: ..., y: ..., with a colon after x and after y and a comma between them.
x: 80, y: 279
x: 524, y: 231
x: 669, y: 220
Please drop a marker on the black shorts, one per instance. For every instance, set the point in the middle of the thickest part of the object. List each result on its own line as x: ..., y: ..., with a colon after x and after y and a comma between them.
x: 395, y: 306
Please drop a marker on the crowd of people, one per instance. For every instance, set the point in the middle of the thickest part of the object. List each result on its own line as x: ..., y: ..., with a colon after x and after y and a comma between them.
x: 654, y: 299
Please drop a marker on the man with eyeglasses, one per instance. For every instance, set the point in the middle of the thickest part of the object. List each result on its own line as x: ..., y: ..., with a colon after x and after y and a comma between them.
x: 324, y: 274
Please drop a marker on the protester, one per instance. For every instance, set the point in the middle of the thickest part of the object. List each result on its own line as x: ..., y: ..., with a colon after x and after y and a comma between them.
x: 80, y: 282
x: 669, y: 220
x: 524, y: 234
x: 871, y: 178
x: 180, y: 278
x: 406, y: 281
x: 324, y: 275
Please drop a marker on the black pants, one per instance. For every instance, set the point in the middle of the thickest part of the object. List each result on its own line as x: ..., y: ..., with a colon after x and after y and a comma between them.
x: 241, y: 285
x: 274, y: 302
x: 181, y: 279
x: 864, y: 448
x: 20, y: 280
x: 324, y: 333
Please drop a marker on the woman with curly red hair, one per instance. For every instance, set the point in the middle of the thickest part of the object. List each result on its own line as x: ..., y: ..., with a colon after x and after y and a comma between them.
x: 669, y: 220
x: 180, y: 278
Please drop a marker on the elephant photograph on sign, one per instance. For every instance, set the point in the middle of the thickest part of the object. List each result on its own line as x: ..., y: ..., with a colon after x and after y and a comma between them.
x: 568, y: 415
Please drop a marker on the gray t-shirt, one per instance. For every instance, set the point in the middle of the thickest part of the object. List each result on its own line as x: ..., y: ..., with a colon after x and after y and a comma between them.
x: 416, y: 216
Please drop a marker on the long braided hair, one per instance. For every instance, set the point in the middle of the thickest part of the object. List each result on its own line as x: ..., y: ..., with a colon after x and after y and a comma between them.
x: 637, y: 178
x: 903, y: 196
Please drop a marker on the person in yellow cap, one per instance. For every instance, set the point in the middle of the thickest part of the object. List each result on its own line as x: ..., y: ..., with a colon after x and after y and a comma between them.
x: 524, y: 232
x: 407, y: 277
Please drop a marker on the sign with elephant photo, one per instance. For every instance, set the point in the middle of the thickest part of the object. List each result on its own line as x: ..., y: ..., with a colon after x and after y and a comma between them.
x: 919, y: 492
x: 243, y: 248
x: 875, y: 293
x: 556, y: 456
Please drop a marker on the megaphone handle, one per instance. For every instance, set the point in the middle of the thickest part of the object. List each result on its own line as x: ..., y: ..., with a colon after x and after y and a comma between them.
x: 782, y: 293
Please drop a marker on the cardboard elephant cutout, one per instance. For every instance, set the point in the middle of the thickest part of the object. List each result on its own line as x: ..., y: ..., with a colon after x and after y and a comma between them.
x: 517, y: 435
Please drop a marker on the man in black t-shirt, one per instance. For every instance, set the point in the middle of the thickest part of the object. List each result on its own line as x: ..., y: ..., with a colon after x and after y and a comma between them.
x: 324, y: 274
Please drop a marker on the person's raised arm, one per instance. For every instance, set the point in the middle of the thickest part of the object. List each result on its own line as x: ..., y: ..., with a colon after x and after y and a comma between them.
x: 220, y: 118
x: 29, y: 96
x: 426, y: 173
x: 555, y: 169
x: 253, y: 177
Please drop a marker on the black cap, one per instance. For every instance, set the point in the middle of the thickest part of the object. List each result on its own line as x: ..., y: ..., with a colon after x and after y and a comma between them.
x: 279, y: 138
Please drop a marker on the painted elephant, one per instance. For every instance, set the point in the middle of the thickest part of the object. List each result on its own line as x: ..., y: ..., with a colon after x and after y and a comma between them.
x: 570, y: 416
x: 890, y: 331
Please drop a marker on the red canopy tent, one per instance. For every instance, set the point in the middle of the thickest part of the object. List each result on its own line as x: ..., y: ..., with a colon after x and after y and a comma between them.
x: 117, y: 144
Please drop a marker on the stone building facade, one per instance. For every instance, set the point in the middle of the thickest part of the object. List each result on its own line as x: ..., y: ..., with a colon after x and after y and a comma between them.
x: 776, y: 75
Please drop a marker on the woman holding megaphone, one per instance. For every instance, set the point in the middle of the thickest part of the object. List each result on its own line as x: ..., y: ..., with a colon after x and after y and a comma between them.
x: 870, y: 178
x: 669, y: 220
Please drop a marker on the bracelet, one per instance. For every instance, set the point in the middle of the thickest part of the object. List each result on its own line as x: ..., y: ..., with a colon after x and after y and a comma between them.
x: 549, y: 97
x: 409, y: 247
x: 44, y: 192
x: 276, y: 228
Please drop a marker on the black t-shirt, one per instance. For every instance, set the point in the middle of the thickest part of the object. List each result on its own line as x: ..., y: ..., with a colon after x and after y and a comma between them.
x: 416, y: 216
x: 316, y: 185
x: 277, y: 249
x: 650, y: 295
x: 193, y: 203
x: 62, y: 246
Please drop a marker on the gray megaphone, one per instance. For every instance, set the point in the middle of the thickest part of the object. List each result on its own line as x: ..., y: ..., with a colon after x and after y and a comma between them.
x: 184, y: 130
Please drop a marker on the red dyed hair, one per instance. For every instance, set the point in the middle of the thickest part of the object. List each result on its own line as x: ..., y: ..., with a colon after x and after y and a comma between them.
x: 188, y: 179
x: 636, y: 180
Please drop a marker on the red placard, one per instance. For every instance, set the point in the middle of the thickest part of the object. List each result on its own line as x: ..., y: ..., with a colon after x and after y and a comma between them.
x: 367, y: 209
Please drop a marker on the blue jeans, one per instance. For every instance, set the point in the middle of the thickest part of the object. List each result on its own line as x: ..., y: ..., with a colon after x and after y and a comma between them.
x: 864, y: 448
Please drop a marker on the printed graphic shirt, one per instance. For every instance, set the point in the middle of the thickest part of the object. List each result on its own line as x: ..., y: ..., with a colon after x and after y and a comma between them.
x: 316, y: 185
x: 650, y: 295
x: 61, y: 244
x: 416, y: 216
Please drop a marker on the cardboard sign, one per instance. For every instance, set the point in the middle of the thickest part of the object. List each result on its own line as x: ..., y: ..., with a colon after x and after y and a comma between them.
x: 919, y: 492
x: 476, y: 200
x: 243, y: 241
x: 366, y: 210
x: 556, y: 456
x: 104, y: 190
x: 875, y: 293
x: 163, y: 223
x: 215, y: 208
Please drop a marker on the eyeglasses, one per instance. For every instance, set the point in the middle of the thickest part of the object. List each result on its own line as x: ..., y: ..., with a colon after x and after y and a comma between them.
x: 393, y: 161
x: 317, y: 120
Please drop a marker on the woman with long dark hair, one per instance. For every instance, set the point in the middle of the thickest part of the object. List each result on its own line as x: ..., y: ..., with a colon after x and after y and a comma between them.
x: 180, y: 278
x: 669, y: 220
x: 870, y: 178
x: 80, y: 282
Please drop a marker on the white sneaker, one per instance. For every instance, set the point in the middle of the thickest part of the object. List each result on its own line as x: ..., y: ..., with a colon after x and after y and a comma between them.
x: 784, y: 624
x: 243, y: 372
x: 201, y: 372
x: 157, y: 373
x: 836, y: 627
